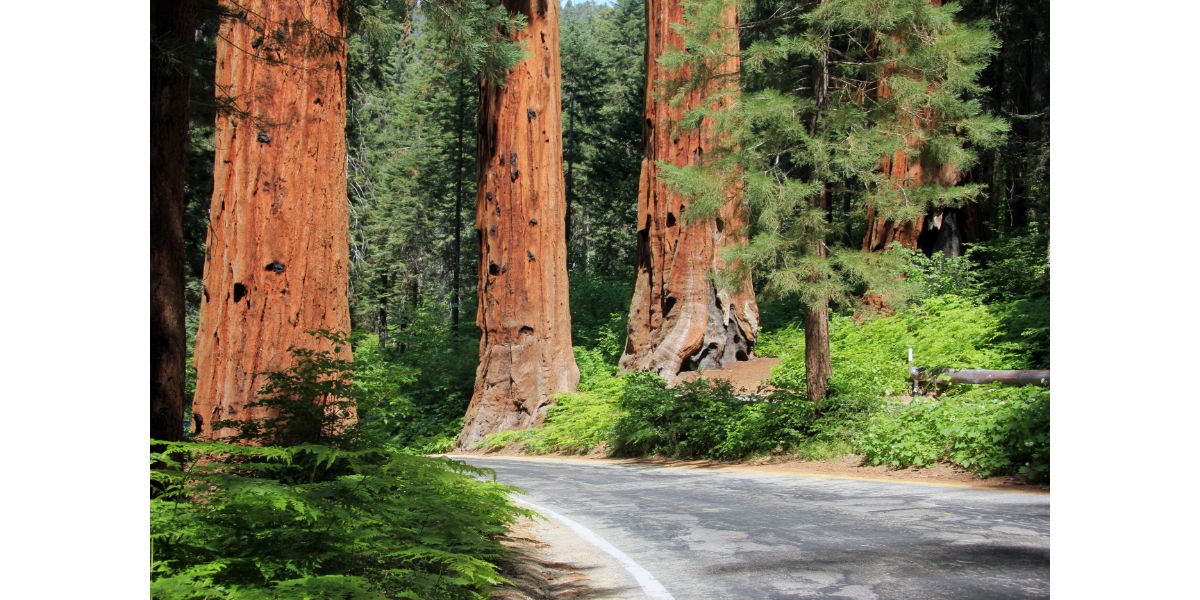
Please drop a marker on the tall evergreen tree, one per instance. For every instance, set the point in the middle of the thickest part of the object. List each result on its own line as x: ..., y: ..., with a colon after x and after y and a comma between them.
x: 830, y: 89
x: 276, y: 259
x: 525, y: 355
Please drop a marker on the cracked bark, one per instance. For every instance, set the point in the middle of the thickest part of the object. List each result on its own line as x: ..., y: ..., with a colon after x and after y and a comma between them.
x: 678, y: 319
x: 525, y: 353
x: 276, y: 264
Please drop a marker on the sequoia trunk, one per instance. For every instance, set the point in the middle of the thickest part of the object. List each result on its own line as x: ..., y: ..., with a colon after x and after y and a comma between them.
x: 904, y: 171
x: 679, y: 320
x: 277, y: 252
x: 525, y: 353
x: 173, y: 33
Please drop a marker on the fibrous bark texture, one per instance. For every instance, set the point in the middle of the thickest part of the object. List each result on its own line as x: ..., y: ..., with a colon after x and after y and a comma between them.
x: 276, y: 263
x: 525, y: 350
x: 679, y: 320
x: 173, y: 26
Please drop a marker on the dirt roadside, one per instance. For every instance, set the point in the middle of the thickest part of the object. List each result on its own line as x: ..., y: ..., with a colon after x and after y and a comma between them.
x: 550, y: 562
x: 846, y: 467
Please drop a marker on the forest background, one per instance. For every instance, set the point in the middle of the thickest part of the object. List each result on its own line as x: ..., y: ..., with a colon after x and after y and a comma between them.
x: 100, y: 219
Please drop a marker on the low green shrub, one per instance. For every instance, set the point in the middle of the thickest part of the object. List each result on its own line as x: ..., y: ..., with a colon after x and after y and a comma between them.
x: 987, y: 430
x: 871, y: 359
x: 317, y: 506
x: 704, y: 419
x: 577, y: 422
x: 599, y: 309
x: 870, y: 365
x: 316, y: 521
x: 1025, y: 323
x: 406, y: 400
x: 939, y: 275
x: 1013, y: 267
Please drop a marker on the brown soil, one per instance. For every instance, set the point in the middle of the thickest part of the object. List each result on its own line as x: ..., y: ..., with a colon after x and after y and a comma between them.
x: 547, y: 562
x: 845, y: 467
x: 744, y: 375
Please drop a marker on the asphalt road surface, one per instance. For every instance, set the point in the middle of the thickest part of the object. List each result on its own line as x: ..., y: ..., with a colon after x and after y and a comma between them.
x: 696, y: 534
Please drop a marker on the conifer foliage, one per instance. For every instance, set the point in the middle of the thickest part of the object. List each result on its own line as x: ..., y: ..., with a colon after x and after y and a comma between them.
x: 840, y: 96
x: 678, y: 319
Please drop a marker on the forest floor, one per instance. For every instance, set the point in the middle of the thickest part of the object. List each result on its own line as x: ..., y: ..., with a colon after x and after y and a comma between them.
x: 745, y: 375
x: 749, y: 375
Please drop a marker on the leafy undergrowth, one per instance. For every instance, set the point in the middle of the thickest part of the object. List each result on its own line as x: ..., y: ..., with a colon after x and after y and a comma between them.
x: 315, y: 506
x: 577, y: 423
x: 986, y: 430
x: 313, y: 521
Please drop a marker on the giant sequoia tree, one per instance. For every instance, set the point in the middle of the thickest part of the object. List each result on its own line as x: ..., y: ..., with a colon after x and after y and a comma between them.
x: 172, y: 29
x: 525, y: 352
x: 276, y: 262
x: 680, y: 319
x: 927, y: 79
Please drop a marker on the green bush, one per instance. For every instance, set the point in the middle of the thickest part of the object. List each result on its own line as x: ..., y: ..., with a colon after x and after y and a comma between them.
x: 317, y: 506
x: 870, y: 365
x: 1026, y: 328
x: 871, y: 359
x: 939, y: 275
x: 1013, y: 267
x: 704, y: 419
x: 599, y: 309
x: 987, y: 430
x: 238, y: 521
x: 415, y: 389
x: 577, y: 422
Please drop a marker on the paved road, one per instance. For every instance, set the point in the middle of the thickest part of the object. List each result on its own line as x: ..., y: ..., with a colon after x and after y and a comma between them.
x: 706, y: 534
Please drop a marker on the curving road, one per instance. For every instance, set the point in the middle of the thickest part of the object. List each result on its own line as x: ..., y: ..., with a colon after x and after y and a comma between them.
x: 719, y: 534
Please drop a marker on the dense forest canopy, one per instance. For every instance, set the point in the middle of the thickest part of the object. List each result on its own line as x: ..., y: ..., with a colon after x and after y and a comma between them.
x: 411, y: 154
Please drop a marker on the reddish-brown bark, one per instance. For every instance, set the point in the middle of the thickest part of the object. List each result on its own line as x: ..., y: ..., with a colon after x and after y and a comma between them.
x: 904, y: 172
x: 277, y: 253
x: 818, y: 365
x: 525, y: 350
x: 173, y: 26
x: 678, y: 319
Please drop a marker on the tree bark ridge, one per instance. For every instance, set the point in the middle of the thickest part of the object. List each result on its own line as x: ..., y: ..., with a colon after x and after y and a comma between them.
x: 678, y: 319
x: 525, y: 355
x: 277, y: 256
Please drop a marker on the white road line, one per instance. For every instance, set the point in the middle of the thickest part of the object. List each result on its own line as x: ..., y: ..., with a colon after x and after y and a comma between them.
x: 650, y: 585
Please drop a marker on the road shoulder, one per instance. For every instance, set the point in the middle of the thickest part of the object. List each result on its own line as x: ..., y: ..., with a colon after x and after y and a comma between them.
x: 847, y: 467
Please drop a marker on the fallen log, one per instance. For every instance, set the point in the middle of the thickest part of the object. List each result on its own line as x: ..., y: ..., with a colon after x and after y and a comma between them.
x: 979, y: 376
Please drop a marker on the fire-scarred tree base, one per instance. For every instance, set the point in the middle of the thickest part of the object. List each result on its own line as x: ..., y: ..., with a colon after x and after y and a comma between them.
x: 678, y: 319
